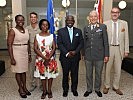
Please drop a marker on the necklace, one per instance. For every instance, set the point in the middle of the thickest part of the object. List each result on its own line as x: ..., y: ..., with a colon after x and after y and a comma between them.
x: 22, y: 31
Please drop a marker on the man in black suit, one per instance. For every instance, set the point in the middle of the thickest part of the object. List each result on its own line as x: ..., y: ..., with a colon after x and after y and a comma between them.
x: 96, y: 52
x: 70, y: 42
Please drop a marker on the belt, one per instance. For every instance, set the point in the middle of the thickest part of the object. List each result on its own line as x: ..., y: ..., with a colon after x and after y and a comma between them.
x: 19, y: 44
x: 114, y: 45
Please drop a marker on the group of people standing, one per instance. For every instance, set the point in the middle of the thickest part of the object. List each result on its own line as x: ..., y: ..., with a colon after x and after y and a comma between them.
x: 101, y: 44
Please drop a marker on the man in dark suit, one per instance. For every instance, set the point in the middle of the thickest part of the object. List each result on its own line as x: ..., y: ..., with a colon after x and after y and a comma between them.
x: 70, y: 42
x: 96, y: 52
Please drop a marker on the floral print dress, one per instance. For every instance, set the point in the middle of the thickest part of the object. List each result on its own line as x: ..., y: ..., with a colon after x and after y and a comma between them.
x: 42, y: 70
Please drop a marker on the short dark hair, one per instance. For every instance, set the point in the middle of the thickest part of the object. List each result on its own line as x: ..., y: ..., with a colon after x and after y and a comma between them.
x: 41, y: 21
x: 16, y: 17
x: 34, y: 13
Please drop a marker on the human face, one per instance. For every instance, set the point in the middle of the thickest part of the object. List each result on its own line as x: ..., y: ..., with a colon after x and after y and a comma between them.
x: 93, y: 17
x: 20, y: 21
x: 70, y: 21
x: 115, y: 13
x: 33, y: 18
x: 44, y: 26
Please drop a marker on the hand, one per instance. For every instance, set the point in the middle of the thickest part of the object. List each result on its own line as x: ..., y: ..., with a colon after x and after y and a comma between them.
x: 13, y: 62
x: 83, y: 57
x: 69, y: 55
x: 125, y: 54
x: 73, y: 53
x: 46, y: 62
x: 30, y: 59
x: 106, y: 59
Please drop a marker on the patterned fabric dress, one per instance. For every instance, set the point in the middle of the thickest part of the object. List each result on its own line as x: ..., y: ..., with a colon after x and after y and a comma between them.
x: 45, y: 46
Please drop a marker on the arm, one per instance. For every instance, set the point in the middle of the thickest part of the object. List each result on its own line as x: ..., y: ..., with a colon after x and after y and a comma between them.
x: 126, y: 40
x: 37, y: 51
x: 29, y: 51
x: 60, y: 44
x: 53, y: 49
x: 106, y: 44
x: 10, y: 40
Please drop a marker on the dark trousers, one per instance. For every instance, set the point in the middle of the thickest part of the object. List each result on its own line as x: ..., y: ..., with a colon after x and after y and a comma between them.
x: 72, y: 66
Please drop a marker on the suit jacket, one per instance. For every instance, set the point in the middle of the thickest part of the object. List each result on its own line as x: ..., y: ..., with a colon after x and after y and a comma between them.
x: 122, y: 34
x: 65, y: 45
x: 96, y: 45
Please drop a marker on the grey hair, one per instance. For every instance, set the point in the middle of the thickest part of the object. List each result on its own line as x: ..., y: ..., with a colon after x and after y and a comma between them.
x: 93, y: 11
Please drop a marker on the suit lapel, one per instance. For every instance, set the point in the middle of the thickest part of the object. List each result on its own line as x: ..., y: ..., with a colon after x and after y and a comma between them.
x: 109, y: 28
x: 119, y: 28
x: 89, y: 28
x: 67, y: 35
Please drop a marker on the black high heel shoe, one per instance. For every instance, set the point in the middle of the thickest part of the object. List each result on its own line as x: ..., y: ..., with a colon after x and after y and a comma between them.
x: 50, y: 95
x: 27, y: 93
x: 44, y: 95
x: 22, y: 95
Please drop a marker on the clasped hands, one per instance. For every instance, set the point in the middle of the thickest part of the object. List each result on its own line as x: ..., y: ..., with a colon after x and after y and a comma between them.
x: 46, y: 60
x: 71, y: 54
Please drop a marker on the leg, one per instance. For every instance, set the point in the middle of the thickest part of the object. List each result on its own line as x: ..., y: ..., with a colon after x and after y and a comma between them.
x: 98, y: 74
x: 31, y: 70
x: 117, y: 68
x: 49, y: 87
x: 74, y: 75
x: 19, y: 82
x: 44, y: 89
x: 65, y: 68
x: 89, y: 75
x: 23, y: 78
x: 108, y: 67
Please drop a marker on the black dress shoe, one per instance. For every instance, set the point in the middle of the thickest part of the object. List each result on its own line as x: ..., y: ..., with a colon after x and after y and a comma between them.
x: 99, y: 93
x: 65, y: 93
x: 87, y: 93
x: 75, y: 93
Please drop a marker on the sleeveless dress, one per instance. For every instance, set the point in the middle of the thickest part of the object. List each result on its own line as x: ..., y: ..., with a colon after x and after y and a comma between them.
x: 45, y: 46
x: 20, y: 52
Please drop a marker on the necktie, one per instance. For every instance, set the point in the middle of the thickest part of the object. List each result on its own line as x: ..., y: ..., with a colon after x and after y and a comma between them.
x: 114, y: 34
x: 71, y: 34
x: 93, y: 27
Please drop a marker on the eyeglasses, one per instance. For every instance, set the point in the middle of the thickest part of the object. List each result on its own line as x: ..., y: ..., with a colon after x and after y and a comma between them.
x: 115, y: 12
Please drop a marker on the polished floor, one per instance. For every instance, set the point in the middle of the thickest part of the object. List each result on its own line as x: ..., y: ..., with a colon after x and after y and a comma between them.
x: 8, y: 86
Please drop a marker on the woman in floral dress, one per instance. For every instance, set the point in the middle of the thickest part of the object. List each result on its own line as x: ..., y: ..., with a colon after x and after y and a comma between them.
x: 46, y: 66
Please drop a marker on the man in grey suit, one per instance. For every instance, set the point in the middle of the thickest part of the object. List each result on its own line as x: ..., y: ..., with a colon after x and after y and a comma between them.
x: 119, y: 48
x: 96, y: 51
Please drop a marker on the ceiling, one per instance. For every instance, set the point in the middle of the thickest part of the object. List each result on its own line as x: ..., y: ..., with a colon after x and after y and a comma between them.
x: 80, y: 3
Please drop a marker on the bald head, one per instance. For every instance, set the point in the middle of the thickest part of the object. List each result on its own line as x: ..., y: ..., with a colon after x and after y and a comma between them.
x: 70, y: 21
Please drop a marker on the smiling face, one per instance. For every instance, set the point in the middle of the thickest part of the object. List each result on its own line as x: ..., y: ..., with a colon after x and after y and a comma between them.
x: 33, y: 18
x: 115, y: 13
x: 19, y: 21
x: 70, y: 21
x: 44, y: 26
x: 93, y: 17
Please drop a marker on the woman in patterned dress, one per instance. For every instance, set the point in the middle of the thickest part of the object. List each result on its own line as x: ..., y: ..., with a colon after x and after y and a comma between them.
x: 46, y: 66
x: 17, y: 43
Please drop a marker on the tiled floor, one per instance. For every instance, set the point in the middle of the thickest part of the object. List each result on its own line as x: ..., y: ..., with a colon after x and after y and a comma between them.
x: 8, y: 86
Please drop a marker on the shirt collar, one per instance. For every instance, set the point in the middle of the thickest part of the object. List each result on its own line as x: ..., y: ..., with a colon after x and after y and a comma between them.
x: 69, y: 28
